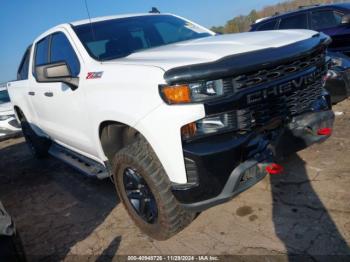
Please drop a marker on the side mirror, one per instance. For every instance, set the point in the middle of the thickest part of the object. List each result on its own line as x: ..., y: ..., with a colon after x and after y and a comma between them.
x: 346, y: 19
x: 56, y: 72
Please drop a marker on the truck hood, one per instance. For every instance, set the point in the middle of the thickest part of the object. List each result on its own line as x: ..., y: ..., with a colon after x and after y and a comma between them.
x: 6, y: 108
x: 212, y: 48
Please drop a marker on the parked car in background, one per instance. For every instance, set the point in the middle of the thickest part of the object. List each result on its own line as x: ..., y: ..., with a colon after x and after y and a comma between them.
x: 333, y: 20
x: 8, y: 124
x: 338, y: 77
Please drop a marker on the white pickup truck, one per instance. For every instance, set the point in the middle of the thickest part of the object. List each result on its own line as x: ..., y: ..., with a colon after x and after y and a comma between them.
x: 181, y: 118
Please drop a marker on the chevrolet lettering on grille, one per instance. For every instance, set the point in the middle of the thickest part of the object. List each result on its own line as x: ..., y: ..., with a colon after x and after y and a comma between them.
x: 287, y: 87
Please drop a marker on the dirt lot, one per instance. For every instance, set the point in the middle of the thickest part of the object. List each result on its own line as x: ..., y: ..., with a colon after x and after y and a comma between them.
x: 306, y: 211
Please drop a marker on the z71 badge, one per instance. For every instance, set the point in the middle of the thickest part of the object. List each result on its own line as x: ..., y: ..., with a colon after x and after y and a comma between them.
x: 94, y: 75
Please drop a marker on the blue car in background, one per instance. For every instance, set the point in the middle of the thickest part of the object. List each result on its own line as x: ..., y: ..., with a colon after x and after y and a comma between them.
x: 333, y: 20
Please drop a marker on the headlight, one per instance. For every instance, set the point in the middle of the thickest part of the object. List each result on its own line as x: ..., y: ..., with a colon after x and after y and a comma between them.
x: 193, y: 92
x: 238, y: 120
x: 5, y: 117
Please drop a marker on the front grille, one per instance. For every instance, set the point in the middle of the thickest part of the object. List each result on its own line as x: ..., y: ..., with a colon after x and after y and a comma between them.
x: 273, y: 74
x: 298, y: 102
x: 279, y: 106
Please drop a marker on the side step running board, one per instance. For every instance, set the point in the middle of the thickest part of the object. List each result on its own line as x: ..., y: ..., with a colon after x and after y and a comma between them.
x: 81, y: 163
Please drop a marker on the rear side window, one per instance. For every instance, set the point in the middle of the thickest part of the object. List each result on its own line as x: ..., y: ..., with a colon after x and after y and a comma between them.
x: 267, y: 26
x: 62, y: 50
x: 325, y: 19
x: 42, y: 52
x: 298, y: 21
x: 23, y: 69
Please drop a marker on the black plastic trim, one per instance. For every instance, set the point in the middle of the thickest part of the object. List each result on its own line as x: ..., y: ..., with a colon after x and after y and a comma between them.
x: 230, y: 190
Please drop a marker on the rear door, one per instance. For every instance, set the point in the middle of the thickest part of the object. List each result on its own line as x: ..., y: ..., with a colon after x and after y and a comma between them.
x: 61, y: 111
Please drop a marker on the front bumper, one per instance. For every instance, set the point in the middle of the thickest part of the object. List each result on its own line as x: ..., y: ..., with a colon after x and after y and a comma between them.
x: 221, y: 167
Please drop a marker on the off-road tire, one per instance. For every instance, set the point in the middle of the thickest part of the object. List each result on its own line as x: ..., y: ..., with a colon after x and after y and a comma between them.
x: 39, y: 146
x: 172, y: 218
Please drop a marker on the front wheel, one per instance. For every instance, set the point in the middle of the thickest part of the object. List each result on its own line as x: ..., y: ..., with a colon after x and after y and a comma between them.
x: 145, y: 191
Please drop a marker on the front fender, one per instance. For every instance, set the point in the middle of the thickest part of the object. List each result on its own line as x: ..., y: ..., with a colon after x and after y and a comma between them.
x: 162, y: 129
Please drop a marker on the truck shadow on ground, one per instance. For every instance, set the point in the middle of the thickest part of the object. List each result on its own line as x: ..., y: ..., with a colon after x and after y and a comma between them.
x: 301, y: 220
x: 53, y: 206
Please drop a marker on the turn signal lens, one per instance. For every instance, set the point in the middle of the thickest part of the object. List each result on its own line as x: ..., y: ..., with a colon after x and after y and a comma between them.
x: 176, y: 94
x: 189, y: 130
x: 324, y: 131
x: 274, y: 169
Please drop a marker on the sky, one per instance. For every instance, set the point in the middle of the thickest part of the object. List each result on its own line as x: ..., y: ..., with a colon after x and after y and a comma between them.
x: 21, y: 21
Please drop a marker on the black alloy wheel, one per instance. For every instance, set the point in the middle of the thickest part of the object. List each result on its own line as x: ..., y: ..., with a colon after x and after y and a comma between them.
x: 140, y: 196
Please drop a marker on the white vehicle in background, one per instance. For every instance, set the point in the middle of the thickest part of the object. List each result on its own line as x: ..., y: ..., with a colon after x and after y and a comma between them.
x: 8, y: 123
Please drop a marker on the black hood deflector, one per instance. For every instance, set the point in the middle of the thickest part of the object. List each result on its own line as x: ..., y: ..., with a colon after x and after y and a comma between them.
x: 246, y: 62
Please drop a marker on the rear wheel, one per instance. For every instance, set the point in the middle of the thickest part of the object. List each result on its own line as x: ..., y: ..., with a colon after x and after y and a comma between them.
x: 145, y: 191
x: 39, y: 146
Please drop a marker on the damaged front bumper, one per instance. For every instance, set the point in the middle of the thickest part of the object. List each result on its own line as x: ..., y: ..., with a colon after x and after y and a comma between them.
x: 221, y: 167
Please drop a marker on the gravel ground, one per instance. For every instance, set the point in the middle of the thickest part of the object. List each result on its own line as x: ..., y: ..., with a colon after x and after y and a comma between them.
x: 306, y: 211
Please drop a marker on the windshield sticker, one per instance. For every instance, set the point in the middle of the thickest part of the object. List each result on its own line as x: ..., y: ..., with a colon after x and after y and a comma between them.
x: 195, y: 28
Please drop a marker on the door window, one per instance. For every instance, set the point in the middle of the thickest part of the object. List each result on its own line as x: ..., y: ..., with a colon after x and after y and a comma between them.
x: 62, y: 50
x: 294, y: 22
x: 325, y: 19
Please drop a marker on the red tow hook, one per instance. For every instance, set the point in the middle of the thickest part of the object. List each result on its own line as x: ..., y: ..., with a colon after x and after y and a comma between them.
x: 324, y: 131
x: 274, y: 169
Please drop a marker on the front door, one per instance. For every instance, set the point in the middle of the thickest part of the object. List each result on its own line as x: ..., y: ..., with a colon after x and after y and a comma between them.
x: 60, y: 110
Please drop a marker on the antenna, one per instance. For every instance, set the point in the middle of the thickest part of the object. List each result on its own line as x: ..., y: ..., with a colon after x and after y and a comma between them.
x: 154, y: 11
x: 91, y: 27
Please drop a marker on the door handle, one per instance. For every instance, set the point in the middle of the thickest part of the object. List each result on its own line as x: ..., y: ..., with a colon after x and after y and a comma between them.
x: 48, y: 94
x: 31, y: 93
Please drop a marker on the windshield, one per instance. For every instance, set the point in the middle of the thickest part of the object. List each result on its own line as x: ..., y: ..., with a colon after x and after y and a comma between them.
x: 4, y: 96
x: 118, y: 38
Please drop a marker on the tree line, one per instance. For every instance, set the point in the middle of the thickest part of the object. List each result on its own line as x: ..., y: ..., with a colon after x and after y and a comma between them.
x: 242, y: 23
